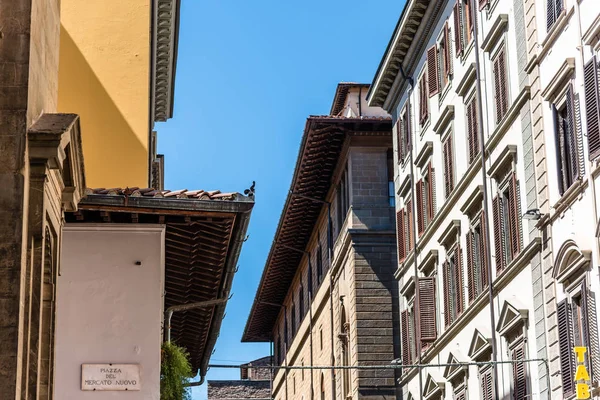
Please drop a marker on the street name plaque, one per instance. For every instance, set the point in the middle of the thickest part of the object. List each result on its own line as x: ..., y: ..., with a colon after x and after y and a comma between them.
x: 115, y: 377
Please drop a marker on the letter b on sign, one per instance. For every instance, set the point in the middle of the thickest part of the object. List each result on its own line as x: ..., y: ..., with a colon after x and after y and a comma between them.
x: 583, y: 391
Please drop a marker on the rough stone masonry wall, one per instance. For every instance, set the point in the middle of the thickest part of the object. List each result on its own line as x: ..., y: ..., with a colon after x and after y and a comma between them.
x: 375, y: 298
x: 29, y: 37
x: 223, y: 390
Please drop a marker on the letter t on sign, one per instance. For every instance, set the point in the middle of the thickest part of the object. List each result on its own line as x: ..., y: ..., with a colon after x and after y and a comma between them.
x: 580, y: 351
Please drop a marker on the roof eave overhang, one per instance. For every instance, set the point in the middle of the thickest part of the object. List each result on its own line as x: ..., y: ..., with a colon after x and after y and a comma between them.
x: 387, y: 81
x: 165, y: 39
x: 311, y: 123
x: 240, y: 209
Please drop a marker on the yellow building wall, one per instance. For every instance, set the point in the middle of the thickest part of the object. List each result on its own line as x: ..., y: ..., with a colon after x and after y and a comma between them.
x: 104, y: 75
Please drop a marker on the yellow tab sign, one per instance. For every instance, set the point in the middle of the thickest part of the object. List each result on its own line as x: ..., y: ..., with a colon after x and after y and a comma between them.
x: 582, y: 388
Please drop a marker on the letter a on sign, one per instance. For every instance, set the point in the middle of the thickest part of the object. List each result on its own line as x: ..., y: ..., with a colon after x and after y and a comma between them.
x: 582, y: 373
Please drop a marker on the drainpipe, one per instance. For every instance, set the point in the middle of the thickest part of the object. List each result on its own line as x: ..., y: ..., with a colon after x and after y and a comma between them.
x: 488, y: 249
x: 411, y: 83
x: 184, y: 307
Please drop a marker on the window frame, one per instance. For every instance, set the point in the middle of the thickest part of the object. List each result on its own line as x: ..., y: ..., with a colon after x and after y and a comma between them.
x: 501, y: 49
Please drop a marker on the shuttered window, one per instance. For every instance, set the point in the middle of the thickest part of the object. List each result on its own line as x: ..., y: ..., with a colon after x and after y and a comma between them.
x: 409, y: 225
x: 553, y: 10
x: 399, y: 140
x: 421, y: 211
x: 460, y: 393
x: 400, y: 235
x: 429, y: 184
x: 519, y: 370
x: 403, y: 134
x: 507, y: 223
x: 568, y: 150
x: 423, y: 100
x: 578, y: 326
x: 458, y: 28
x: 433, y: 71
x: 446, y: 56
x: 472, y: 129
x: 500, y: 85
x: 407, y: 320
x: 477, y: 274
x: 453, y: 286
x: 486, y: 382
x: 427, y: 310
x: 592, y: 107
x: 566, y: 343
x: 448, y: 166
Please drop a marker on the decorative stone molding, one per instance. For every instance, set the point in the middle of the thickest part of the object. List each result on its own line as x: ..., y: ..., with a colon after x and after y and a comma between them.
x: 511, y: 317
x: 507, y: 160
x: 559, y: 80
x: 467, y: 81
x: 474, y: 201
x: 444, y: 120
x: 480, y: 346
x: 495, y: 33
x: 424, y: 154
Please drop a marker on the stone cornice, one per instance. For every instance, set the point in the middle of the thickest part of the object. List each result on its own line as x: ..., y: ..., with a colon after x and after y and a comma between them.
x: 164, y: 45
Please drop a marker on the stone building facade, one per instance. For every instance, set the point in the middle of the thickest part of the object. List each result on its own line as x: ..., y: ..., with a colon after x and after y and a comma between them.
x: 321, y: 308
x: 526, y: 95
x: 254, y: 383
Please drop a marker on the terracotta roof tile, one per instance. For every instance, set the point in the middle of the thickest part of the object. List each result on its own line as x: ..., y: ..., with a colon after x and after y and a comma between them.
x: 174, y: 194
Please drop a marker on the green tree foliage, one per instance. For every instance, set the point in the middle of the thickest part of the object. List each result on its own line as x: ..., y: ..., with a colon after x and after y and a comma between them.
x: 175, y: 372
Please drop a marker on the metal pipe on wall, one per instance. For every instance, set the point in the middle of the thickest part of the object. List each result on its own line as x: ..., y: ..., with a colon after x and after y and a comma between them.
x: 488, y: 251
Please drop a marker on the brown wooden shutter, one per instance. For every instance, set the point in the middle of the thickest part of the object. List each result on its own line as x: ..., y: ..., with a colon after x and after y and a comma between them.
x: 447, y: 51
x: 409, y: 212
x: 427, y: 311
x: 592, y: 107
x: 448, y: 167
x: 571, y: 135
x: 459, y: 280
x: 423, y: 100
x: 486, y: 379
x: 500, y: 85
x: 590, y: 324
x: 514, y: 217
x: 498, y: 234
x: 404, y: 319
x: 420, y: 208
x: 485, y: 280
x: 447, y: 295
x: 430, y: 194
x: 482, y: 4
x: 559, y: 139
x: 399, y: 139
x: 400, y: 235
x: 566, y: 343
x: 519, y: 373
x: 458, y: 28
x: 468, y: 20
x: 433, y: 71
x: 471, y: 279
x: 472, y: 132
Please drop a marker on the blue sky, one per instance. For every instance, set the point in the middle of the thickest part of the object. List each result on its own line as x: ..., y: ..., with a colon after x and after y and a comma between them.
x: 249, y: 73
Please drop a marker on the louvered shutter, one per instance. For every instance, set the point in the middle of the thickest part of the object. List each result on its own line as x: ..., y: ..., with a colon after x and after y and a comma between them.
x: 487, y: 384
x: 448, y: 167
x: 572, y: 146
x: 430, y: 194
x: 472, y: 126
x: 408, y: 130
x: 590, y: 322
x: 400, y: 235
x: 433, y: 79
x: 566, y: 344
x: 500, y: 86
x: 550, y: 14
x: 420, y: 207
x: 458, y: 281
x: 519, y: 373
x: 559, y: 138
x: 458, y: 28
x: 447, y: 51
x: 427, y: 312
x: 514, y: 217
x: 471, y: 279
x: 461, y: 394
x: 406, y: 232
x: 498, y: 234
x: 447, y: 295
x: 485, y: 280
x: 404, y: 319
x: 409, y: 211
x: 592, y: 104
x: 482, y: 4
x: 399, y: 139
